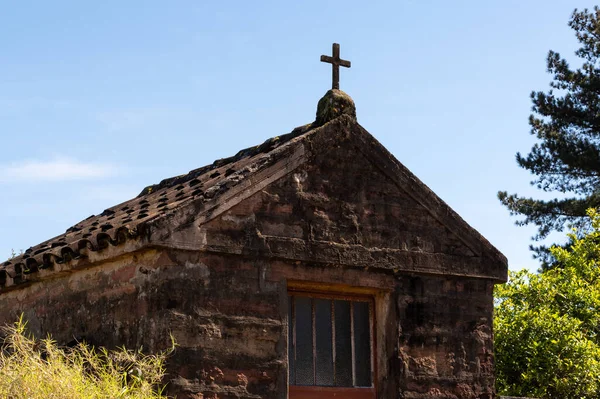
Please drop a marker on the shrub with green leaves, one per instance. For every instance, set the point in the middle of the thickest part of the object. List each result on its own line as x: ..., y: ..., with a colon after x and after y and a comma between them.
x: 547, y: 325
x: 39, y: 369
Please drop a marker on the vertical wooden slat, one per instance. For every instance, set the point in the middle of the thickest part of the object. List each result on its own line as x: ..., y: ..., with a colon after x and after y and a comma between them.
x: 372, y: 341
x: 333, y: 357
x: 352, y: 343
x: 314, y: 340
x: 294, y: 333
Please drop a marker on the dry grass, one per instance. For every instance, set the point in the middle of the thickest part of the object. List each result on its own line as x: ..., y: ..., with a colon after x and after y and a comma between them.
x: 39, y: 369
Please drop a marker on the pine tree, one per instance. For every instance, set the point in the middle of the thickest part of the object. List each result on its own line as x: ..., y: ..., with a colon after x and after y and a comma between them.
x: 566, y: 120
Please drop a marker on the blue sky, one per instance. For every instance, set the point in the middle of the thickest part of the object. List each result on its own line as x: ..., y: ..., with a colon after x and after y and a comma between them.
x: 99, y: 99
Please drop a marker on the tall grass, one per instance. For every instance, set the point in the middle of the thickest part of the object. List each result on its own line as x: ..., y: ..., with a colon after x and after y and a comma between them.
x: 39, y: 369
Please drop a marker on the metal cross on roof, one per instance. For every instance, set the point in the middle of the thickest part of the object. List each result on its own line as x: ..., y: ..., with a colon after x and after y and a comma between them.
x: 335, y: 62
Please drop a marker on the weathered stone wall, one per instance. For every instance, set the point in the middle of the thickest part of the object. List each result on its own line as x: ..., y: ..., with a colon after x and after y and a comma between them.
x: 229, y: 331
x: 218, y: 282
x: 228, y: 315
x: 339, y: 198
x: 445, y: 337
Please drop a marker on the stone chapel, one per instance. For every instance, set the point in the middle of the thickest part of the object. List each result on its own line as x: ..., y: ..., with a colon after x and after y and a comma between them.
x: 314, y: 265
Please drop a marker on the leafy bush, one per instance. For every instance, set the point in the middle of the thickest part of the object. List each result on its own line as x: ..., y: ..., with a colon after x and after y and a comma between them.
x: 39, y: 369
x: 547, y: 325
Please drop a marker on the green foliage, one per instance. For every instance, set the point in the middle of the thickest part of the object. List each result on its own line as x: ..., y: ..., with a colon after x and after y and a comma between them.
x: 566, y: 121
x: 31, y: 369
x: 547, y: 325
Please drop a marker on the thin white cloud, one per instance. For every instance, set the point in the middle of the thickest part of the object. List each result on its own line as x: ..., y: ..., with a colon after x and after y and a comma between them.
x: 60, y: 169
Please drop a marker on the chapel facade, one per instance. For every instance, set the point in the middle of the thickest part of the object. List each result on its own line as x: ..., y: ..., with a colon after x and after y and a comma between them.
x: 314, y: 265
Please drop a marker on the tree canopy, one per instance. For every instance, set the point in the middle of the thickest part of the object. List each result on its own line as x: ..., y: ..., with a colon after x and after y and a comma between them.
x: 547, y: 325
x: 566, y: 121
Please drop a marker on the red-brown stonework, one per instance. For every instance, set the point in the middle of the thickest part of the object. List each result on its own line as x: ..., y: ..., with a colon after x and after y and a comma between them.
x: 212, y: 255
x: 445, y: 343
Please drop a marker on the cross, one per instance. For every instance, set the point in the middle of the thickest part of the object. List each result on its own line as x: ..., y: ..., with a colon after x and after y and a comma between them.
x: 335, y: 62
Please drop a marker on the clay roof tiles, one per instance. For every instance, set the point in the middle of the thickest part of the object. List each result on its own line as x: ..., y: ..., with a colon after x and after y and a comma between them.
x: 127, y: 220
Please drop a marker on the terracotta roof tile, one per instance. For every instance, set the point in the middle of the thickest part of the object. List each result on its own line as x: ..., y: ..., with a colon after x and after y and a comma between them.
x: 127, y: 220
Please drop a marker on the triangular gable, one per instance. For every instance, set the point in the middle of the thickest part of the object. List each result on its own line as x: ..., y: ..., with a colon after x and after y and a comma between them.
x: 163, y: 214
x: 346, y: 173
x: 415, y: 188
